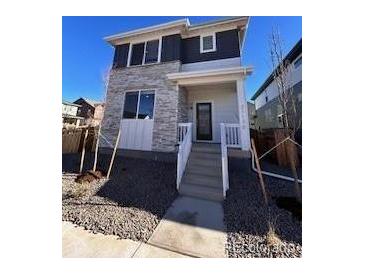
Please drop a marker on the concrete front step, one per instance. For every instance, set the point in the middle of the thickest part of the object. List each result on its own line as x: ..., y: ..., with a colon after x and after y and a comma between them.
x: 203, y: 170
x: 205, y: 156
x: 203, y: 192
x: 206, y: 148
x: 196, y: 161
x: 203, y: 180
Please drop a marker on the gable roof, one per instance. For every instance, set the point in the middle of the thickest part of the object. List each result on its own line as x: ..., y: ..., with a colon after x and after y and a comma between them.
x: 290, y: 57
x: 92, y: 103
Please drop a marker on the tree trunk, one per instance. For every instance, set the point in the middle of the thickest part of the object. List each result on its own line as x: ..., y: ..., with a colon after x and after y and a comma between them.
x: 291, y: 156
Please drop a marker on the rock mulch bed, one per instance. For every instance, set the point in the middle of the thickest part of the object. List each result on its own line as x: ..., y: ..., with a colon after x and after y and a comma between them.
x: 130, y: 204
x: 246, y: 217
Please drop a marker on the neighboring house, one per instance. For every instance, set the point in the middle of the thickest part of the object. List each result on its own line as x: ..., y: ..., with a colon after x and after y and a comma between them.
x: 252, y: 114
x: 91, y: 110
x: 268, y: 107
x: 175, y: 83
x: 70, y: 114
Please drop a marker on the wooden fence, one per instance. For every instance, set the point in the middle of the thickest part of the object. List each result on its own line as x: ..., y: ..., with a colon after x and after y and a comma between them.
x: 72, y: 139
x: 267, y: 139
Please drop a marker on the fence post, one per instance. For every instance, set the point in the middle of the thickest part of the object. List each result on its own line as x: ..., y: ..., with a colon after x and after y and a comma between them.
x: 83, y: 150
x: 259, y: 172
x: 112, y: 159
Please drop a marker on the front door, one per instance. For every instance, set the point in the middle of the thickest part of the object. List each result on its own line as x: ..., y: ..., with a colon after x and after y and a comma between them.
x: 204, y: 121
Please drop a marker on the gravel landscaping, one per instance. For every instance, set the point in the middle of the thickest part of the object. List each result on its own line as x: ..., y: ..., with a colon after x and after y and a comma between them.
x: 246, y: 217
x: 130, y: 204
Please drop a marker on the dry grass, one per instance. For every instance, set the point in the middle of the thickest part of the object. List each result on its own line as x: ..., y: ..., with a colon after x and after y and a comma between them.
x: 272, y: 239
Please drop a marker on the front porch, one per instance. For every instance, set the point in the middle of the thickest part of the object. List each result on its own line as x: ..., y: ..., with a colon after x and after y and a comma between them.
x: 208, y: 98
x: 211, y: 109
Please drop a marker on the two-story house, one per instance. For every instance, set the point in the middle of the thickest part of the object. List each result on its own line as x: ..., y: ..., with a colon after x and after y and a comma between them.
x: 70, y: 114
x: 92, y: 111
x: 178, y: 89
x: 266, y: 98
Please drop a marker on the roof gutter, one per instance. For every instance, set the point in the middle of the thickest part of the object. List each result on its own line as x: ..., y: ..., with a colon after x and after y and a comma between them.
x: 182, y: 22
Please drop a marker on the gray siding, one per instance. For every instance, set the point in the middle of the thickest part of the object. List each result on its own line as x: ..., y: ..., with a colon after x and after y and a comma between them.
x: 267, y: 115
x: 227, y: 47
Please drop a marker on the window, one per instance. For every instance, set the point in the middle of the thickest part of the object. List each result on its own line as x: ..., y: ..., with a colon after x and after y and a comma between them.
x: 298, y: 62
x: 130, y: 105
x: 145, y: 53
x: 151, y: 54
x: 146, y: 103
x: 137, y: 54
x: 266, y: 98
x: 139, y: 104
x: 207, y: 43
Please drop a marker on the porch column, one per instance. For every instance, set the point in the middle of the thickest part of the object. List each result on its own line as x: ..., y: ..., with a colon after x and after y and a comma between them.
x: 243, y: 115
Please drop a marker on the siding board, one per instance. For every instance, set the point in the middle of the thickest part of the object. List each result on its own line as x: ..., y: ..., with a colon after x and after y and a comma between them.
x: 227, y: 47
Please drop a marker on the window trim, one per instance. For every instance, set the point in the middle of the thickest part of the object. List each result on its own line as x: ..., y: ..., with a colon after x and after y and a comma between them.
x: 159, y: 39
x: 214, y: 42
x: 296, y: 60
x: 139, y: 98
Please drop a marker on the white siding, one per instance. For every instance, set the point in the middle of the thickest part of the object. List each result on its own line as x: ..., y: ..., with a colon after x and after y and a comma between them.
x: 136, y: 134
x: 216, y: 64
x: 224, y: 106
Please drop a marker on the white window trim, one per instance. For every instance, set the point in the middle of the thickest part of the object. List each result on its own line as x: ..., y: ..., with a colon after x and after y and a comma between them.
x: 214, y: 43
x: 296, y: 59
x: 144, y: 52
x: 139, y: 98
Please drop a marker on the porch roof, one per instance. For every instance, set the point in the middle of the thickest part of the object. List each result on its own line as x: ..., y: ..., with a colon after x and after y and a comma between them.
x: 209, y: 76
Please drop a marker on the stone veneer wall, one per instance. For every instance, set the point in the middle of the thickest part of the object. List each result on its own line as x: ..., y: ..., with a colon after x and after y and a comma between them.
x: 182, y: 106
x: 164, y: 136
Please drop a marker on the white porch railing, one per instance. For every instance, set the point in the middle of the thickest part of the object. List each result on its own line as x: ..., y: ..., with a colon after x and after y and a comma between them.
x: 182, y: 129
x: 224, y: 159
x: 232, y: 135
x: 186, y: 134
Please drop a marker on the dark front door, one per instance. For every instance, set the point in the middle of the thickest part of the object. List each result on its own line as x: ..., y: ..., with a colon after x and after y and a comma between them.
x: 204, y: 121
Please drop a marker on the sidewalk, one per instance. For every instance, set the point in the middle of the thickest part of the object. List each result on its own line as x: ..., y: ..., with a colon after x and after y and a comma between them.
x: 80, y: 243
x: 190, y: 228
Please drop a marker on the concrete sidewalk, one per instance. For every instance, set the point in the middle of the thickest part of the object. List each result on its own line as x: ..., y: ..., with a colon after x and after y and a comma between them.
x: 80, y: 243
x: 193, y: 227
x: 190, y: 228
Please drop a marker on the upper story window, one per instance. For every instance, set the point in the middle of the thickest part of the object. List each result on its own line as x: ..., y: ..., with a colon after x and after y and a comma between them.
x: 298, y: 62
x: 139, y: 105
x: 207, y: 43
x: 145, y: 53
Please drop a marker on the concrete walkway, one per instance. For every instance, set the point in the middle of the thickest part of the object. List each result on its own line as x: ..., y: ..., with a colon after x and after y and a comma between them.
x: 191, y: 228
x: 80, y: 243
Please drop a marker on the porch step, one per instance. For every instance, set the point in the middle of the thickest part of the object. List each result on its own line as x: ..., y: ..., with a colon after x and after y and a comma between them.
x: 204, y: 156
x: 203, y: 192
x: 214, y: 163
x: 206, y: 148
x: 199, y: 169
x: 203, y: 173
x: 202, y: 180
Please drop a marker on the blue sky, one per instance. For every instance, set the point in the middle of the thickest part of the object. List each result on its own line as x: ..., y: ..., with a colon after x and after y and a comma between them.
x: 85, y: 56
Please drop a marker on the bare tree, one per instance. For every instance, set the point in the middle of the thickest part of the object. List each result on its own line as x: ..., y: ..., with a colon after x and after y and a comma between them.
x: 105, y: 79
x: 291, y: 112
